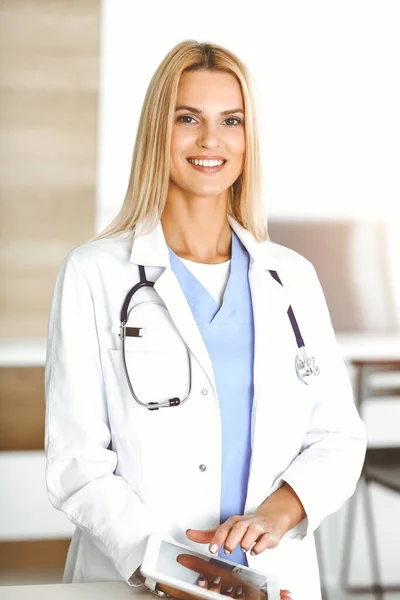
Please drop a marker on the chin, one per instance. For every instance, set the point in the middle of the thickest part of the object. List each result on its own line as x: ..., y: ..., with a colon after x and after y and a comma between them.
x: 208, y: 192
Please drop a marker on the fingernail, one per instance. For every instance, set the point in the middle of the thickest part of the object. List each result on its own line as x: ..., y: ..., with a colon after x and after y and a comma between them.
x: 201, y: 582
x: 214, y: 548
x: 227, y: 551
x: 217, y: 580
x: 188, y: 530
x: 229, y: 590
x: 239, y: 592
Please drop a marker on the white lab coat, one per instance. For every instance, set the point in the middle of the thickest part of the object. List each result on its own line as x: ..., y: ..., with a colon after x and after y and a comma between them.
x: 119, y: 471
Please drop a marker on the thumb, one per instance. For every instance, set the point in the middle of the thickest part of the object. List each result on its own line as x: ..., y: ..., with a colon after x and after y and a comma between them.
x: 201, y: 536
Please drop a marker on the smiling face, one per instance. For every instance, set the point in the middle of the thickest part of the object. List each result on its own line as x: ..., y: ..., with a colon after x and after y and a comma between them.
x: 211, y: 124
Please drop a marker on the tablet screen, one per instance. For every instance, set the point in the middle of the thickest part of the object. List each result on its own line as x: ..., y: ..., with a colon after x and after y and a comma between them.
x: 189, y: 565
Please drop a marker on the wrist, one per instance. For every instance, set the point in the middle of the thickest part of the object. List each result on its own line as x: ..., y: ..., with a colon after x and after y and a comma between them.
x: 284, y: 508
x: 278, y: 517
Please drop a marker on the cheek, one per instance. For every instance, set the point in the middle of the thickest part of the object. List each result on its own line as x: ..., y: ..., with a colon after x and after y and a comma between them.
x: 180, y: 139
x: 238, y: 144
x: 236, y: 148
x: 237, y: 152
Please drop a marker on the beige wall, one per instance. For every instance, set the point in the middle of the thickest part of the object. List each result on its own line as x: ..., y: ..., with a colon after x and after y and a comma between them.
x: 49, y: 77
x: 49, y: 80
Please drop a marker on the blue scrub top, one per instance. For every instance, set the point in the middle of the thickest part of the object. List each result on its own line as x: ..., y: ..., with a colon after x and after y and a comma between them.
x: 228, y: 333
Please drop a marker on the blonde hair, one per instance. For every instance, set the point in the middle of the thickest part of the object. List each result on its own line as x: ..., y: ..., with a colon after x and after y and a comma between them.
x: 149, y: 177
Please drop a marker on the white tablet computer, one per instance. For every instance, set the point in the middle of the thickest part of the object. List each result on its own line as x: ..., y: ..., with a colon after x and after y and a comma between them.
x: 179, y: 566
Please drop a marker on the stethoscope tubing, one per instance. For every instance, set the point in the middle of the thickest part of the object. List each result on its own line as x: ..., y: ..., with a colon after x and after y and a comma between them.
x: 144, y: 282
x: 304, y: 365
x: 292, y: 318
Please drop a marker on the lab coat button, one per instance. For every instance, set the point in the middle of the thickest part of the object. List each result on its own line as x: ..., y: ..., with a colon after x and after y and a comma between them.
x: 203, y: 468
x: 204, y: 392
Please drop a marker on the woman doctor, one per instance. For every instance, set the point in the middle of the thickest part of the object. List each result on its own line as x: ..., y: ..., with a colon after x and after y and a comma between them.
x: 257, y: 453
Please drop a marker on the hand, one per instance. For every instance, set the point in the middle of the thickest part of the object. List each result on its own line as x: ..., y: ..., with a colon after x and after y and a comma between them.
x: 265, y: 528
x: 246, y: 530
x: 217, y: 579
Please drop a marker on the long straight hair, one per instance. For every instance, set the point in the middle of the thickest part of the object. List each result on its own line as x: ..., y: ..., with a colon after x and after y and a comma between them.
x: 147, y: 191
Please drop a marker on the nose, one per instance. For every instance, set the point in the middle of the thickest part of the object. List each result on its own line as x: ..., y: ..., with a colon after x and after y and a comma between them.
x: 209, y: 137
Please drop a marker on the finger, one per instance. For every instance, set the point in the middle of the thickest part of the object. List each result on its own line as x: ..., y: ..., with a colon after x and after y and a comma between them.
x: 267, y: 540
x: 198, y: 565
x: 221, y: 533
x: 286, y: 595
x: 208, y: 570
x: 201, y: 536
x: 192, y: 562
x: 253, y: 533
x: 235, y: 536
x: 202, y: 582
x: 228, y: 591
x: 215, y: 584
x: 238, y: 593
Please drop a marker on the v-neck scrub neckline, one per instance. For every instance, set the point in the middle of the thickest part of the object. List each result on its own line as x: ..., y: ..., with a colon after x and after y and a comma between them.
x: 213, y: 277
x: 204, y: 307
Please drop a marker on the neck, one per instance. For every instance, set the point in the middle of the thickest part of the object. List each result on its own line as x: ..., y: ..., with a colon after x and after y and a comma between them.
x: 198, y: 231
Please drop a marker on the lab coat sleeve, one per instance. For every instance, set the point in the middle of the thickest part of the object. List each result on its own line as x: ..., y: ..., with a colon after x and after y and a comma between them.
x: 326, y: 471
x: 80, y: 462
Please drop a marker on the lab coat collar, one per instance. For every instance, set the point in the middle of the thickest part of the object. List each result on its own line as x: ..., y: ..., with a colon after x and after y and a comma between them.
x: 151, y: 249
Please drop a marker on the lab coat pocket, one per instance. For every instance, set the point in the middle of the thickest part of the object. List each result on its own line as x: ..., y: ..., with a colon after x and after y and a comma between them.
x: 158, y: 369
x: 155, y: 355
x: 162, y: 436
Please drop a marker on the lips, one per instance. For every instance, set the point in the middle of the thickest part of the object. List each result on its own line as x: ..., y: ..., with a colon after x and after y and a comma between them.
x: 207, y: 170
x: 207, y: 158
x: 191, y: 160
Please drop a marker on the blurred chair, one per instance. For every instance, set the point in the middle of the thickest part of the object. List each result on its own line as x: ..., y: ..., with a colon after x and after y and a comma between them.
x: 321, y: 564
x: 381, y: 467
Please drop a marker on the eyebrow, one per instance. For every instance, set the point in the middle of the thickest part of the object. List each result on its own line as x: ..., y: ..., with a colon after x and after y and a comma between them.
x: 200, y: 112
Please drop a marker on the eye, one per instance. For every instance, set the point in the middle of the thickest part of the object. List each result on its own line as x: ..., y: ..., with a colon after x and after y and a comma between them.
x: 234, y: 119
x: 179, y: 119
x: 238, y: 121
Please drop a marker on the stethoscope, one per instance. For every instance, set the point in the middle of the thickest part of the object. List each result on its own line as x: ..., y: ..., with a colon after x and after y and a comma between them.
x: 305, y: 366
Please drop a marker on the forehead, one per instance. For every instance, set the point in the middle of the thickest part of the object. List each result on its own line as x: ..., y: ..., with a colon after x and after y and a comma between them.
x: 202, y: 88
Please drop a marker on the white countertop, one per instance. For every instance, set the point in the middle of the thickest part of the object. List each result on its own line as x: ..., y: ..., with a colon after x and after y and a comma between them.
x: 74, y: 591
x: 32, y: 352
x: 22, y: 353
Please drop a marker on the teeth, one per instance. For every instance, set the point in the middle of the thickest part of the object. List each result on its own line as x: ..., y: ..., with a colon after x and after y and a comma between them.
x: 206, y: 163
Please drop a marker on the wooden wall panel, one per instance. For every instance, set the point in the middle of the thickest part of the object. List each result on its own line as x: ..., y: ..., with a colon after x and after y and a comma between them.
x: 49, y: 80
x: 33, y: 554
x: 22, y: 408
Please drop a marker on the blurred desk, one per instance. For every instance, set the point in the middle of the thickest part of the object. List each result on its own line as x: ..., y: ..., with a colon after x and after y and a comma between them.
x: 369, y: 354
x: 76, y: 591
x: 371, y: 357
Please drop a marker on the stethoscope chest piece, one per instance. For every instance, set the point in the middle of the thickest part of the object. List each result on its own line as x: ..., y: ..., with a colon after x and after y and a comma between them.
x: 305, y: 367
